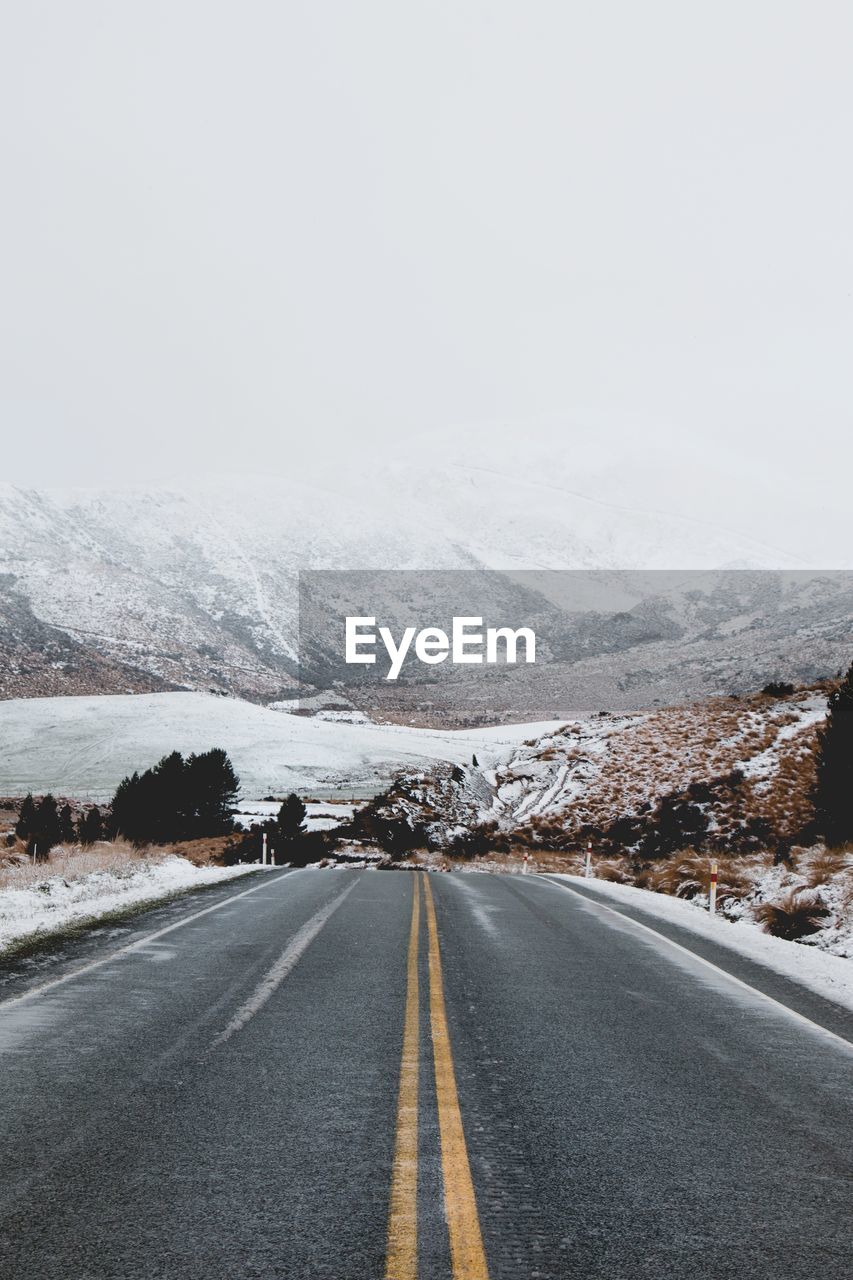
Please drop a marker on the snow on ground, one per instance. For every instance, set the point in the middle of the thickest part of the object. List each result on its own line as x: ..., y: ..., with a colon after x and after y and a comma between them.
x: 755, y: 757
x: 803, y: 715
x: 828, y: 975
x: 55, y: 903
x: 318, y: 816
x: 84, y: 746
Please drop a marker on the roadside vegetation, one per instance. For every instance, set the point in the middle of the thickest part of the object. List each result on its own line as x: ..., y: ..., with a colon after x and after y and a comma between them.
x: 761, y: 785
x: 178, y: 808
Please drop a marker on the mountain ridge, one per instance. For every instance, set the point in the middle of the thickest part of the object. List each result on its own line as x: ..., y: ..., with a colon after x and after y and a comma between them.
x: 195, y: 587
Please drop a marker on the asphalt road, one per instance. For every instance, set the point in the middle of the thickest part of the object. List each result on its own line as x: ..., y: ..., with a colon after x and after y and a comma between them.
x: 335, y: 1074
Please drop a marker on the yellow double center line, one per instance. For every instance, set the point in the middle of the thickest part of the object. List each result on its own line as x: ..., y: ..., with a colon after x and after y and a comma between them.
x: 401, y: 1261
x: 466, y: 1243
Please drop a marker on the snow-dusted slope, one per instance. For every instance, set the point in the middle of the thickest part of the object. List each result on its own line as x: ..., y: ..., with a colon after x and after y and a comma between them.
x: 198, y: 584
x: 85, y: 746
x: 743, y: 767
x: 196, y: 588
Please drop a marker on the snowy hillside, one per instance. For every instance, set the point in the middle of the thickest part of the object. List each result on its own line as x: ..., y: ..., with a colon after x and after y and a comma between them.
x: 85, y: 746
x: 732, y: 773
x: 145, y: 590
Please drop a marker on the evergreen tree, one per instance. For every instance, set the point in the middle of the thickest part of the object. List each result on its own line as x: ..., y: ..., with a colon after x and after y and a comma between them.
x: 125, y: 820
x: 26, y: 819
x: 166, y: 800
x: 290, y: 823
x: 47, y: 831
x: 66, y: 824
x: 90, y: 828
x: 833, y: 795
x: 212, y: 786
x: 177, y: 800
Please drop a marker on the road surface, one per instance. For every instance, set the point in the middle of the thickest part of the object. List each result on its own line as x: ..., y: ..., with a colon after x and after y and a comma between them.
x: 335, y: 1074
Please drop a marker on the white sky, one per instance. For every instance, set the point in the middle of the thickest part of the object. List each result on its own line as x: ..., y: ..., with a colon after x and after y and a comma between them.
x: 255, y: 235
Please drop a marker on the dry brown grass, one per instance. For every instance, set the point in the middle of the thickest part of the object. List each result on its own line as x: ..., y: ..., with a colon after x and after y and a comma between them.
x: 798, y: 913
x: 663, y: 752
x: 71, y: 862
x: 207, y: 852
x: 615, y: 870
x: 688, y: 875
x: 817, y: 866
x: 683, y: 876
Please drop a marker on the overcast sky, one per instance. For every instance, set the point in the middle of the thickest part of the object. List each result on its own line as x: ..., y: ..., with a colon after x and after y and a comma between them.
x: 251, y: 235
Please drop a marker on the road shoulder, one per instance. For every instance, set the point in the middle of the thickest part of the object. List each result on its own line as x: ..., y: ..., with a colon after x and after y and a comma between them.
x: 792, y: 990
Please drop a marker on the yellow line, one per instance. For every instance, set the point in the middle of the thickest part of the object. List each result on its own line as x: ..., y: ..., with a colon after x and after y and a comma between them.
x: 401, y: 1260
x: 466, y: 1242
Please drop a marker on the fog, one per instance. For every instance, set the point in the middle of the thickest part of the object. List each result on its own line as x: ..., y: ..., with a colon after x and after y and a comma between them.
x: 261, y: 237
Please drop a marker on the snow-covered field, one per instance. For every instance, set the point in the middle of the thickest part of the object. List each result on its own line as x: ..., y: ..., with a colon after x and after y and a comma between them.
x: 828, y: 975
x: 84, y: 746
x: 318, y: 816
x: 51, y: 904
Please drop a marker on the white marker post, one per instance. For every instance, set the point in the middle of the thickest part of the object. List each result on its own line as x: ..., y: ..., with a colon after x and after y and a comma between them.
x: 588, y: 865
x: 524, y: 864
x: 712, y: 894
x: 264, y: 849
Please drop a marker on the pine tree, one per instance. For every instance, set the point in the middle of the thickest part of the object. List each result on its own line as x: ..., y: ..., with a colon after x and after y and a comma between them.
x: 90, y: 828
x: 66, y: 824
x: 47, y: 831
x: 167, y: 804
x: 26, y: 819
x: 833, y: 794
x: 290, y: 822
x: 125, y: 820
x: 212, y: 787
x: 177, y: 800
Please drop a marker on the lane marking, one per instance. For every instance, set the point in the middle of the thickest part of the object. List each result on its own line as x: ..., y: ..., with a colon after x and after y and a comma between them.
x: 466, y: 1241
x: 276, y: 974
x: 401, y: 1259
x: 707, y: 964
x: 134, y: 946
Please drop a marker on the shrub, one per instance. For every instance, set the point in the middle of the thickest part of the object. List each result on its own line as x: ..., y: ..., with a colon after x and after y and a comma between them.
x: 477, y: 841
x: 778, y: 689
x: 796, y: 915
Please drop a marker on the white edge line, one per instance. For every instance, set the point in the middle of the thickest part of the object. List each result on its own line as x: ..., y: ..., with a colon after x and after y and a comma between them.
x: 134, y: 946
x: 278, y: 971
x: 708, y: 964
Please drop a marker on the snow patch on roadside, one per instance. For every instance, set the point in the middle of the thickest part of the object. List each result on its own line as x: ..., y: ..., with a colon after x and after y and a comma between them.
x: 828, y: 975
x: 54, y: 903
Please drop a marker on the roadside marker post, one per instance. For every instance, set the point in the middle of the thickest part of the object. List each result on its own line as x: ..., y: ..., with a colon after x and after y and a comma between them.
x: 588, y: 864
x: 264, y: 849
x: 524, y: 864
x: 712, y: 894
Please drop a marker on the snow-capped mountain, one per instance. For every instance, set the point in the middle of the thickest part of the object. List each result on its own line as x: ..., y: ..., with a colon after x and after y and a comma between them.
x: 196, y: 587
